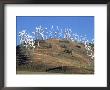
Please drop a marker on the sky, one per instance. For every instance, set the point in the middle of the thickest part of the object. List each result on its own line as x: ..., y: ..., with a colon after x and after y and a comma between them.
x: 82, y: 25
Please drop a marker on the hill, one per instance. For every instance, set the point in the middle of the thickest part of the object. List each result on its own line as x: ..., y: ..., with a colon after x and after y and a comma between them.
x: 54, y: 56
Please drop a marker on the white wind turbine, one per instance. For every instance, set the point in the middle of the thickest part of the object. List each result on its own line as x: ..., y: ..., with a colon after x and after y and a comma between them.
x: 26, y: 40
x: 39, y: 34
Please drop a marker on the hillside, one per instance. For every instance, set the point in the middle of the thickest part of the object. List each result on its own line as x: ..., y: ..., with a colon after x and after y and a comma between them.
x: 54, y: 56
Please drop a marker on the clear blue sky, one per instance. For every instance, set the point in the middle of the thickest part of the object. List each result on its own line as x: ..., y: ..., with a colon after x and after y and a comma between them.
x: 82, y: 25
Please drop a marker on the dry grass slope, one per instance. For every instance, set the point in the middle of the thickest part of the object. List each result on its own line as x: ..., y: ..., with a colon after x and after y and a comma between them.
x: 55, y: 56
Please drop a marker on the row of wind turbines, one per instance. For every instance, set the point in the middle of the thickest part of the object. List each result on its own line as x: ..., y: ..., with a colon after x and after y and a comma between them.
x: 42, y: 33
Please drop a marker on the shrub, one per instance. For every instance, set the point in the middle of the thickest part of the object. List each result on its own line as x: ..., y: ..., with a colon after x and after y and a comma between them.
x: 78, y: 46
x: 92, y: 45
x: 49, y: 45
x: 46, y: 45
x: 63, y: 45
x: 68, y: 51
x: 64, y: 41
